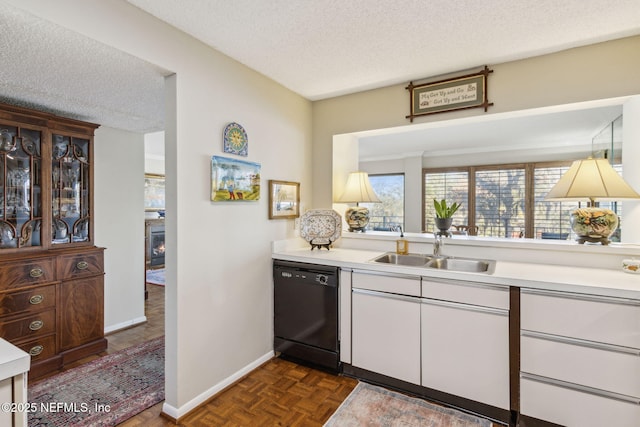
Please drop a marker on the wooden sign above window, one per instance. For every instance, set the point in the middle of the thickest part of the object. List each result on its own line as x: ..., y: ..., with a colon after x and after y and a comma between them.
x: 458, y: 93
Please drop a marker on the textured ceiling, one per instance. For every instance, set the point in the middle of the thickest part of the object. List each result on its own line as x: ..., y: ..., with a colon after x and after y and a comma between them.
x: 324, y: 48
x: 50, y: 68
x: 317, y: 48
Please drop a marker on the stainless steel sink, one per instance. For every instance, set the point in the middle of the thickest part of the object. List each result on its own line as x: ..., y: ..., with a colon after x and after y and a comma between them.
x: 469, y: 265
x: 462, y: 264
x: 414, y: 260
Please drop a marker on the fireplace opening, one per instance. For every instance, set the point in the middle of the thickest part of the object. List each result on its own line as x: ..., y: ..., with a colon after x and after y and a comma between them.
x: 156, y: 246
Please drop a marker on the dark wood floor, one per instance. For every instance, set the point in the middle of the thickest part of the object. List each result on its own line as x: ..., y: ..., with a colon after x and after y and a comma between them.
x: 278, y: 393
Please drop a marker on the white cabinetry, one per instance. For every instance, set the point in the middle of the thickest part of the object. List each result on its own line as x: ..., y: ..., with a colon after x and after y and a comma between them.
x: 385, y: 325
x: 14, y: 366
x: 580, y: 359
x: 465, y: 340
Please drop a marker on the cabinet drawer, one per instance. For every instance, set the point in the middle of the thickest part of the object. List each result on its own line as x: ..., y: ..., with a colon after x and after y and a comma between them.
x: 27, y: 273
x: 35, y: 325
x: 466, y: 292
x: 40, y: 348
x: 612, y: 369
x: 602, y: 319
x: 35, y: 299
x: 80, y: 265
x: 575, y: 408
x: 396, y: 284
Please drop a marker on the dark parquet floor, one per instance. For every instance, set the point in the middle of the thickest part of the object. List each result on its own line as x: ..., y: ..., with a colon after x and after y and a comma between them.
x: 278, y: 393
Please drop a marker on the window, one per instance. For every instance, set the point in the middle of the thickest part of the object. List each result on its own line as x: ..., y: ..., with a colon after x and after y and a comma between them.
x: 505, y: 200
x: 389, y: 213
x: 500, y: 202
x: 450, y: 185
x: 550, y: 218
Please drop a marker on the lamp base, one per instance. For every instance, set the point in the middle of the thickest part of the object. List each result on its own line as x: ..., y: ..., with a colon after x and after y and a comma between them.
x: 594, y: 225
x: 357, y: 218
x: 602, y: 240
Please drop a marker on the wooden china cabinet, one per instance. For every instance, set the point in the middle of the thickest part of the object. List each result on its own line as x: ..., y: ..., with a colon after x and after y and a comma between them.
x: 51, y: 273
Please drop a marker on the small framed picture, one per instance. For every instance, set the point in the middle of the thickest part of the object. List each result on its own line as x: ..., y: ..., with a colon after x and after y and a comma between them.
x: 284, y: 199
x: 153, y: 192
x: 234, y: 180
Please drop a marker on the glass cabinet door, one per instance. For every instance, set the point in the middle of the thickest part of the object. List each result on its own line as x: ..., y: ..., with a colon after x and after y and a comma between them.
x: 70, y: 192
x: 20, y: 187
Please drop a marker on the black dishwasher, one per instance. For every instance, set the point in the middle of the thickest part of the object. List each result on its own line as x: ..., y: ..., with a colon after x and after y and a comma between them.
x: 305, y: 308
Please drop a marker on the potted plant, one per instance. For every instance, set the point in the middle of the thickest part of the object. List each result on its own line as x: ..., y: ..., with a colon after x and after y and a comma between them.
x: 444, y: 214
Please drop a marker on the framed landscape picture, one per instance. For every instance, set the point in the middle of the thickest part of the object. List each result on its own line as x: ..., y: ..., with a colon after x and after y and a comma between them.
x: 284, y: 199
x: 153, y: 192
x: 234, y: 180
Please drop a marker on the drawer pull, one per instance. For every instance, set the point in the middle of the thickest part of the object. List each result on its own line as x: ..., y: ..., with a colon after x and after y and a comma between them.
x: 36, y: 350
x: 36, y: 299
x: 580, y: 388
x: 36, y: 324
x: 580, y: 342
x: 36, y: 272
x: 82, y: 265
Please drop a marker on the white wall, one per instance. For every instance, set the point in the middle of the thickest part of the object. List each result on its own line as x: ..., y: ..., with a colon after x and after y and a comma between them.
x: 154, y: 153
x: 119, y: 223
x: 604, y: 70
x: 218, y: 292
x: 630, y: 156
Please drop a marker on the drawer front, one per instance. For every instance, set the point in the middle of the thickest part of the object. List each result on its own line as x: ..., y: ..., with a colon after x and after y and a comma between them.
x: 574, y: 408
x: 39, y: 349
x: 35, y: 299
x: 27, y: 273
x: 466, y: 292
x: 601, y: 319
x: 35, y: 325
x: 396, y: 284
x: 606, y: 369
x: 80, y: 265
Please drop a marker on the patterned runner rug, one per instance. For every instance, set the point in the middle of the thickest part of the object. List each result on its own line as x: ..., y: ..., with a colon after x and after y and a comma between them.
x: 369, y: 405
x: 103, y: 392
x: 155, y: 277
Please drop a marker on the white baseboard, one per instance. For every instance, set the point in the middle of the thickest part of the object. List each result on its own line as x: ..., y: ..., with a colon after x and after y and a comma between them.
x: 129, y: 323
x: 176, y: 413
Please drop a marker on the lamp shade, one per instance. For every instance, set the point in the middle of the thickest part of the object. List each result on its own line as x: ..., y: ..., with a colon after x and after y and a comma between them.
x: 358, y: 189
x: 591, y: 179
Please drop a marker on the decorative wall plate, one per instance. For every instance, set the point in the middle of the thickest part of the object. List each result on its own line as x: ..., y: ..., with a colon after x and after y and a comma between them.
x: 235, y: 139
x: 320, y: 227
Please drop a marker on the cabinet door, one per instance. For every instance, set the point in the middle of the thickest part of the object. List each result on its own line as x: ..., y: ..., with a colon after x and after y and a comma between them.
x: 20, y: 187
x: 71, y: 186
x: 465, y: 351
x: 386, y: 334
x: 82, y: 311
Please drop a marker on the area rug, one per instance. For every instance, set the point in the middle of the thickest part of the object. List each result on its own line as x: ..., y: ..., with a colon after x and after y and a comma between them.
x: 369, y: 405
x: 103, y: 392
x: 155, y: 277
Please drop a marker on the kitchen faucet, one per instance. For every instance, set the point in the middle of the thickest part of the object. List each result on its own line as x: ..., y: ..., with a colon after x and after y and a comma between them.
x: 437, y: 244
x: 397, y: 228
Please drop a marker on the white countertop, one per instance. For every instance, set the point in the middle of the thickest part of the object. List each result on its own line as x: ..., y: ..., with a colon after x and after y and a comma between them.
x: 594, y: 281
x: 13, y: 361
